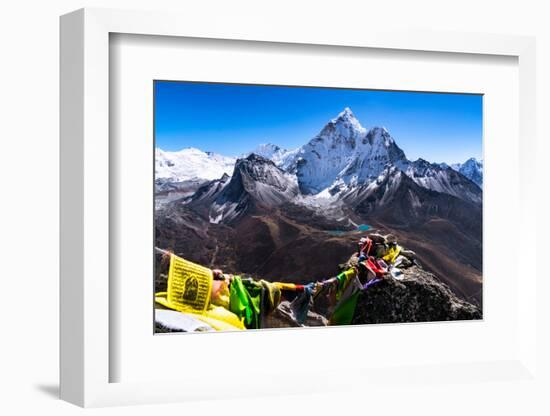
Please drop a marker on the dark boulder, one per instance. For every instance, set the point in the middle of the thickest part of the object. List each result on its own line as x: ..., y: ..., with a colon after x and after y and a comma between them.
x: 419, y: 297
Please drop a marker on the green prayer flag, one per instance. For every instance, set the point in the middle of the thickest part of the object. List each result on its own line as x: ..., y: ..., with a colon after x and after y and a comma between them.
x: 244, y: 301
x: 344, y: 313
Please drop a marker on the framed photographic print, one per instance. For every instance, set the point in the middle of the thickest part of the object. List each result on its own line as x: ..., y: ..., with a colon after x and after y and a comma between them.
x: 230, y: 198
x: 333, y: 225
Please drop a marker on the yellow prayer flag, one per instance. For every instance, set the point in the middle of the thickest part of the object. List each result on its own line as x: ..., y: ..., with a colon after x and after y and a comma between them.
x: 392, y: 254
x: 189, y: 286
x: 285, y: 286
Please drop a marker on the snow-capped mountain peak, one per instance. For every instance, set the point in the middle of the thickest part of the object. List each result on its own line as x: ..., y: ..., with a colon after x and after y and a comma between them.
x: 318, y: 162
x: 191, y: 163
x: 346, y: 113
x: 344, y: 124
x: 472, y: 169
x: 347, y: 118
x: 272, y: 152
x: 473, y: 162
x: 267, y: 150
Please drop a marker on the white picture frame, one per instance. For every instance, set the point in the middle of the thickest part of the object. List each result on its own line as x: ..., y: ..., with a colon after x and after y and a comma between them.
x: 85, y: 202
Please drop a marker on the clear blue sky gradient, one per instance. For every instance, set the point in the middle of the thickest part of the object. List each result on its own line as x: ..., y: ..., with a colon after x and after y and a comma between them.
x: 233, y: 119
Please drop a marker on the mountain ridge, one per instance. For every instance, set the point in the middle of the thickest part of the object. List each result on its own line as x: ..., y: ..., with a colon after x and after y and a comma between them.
x: 341, y: 156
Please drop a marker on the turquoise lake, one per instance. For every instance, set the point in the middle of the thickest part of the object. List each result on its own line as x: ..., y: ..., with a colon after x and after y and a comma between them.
x: 360, y: 227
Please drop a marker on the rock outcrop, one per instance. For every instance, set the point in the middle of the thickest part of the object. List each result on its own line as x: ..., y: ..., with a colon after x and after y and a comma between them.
x: 418, y: 297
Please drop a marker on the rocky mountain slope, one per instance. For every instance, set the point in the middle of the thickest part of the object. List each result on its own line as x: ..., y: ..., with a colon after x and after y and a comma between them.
x: 445, y: 180
x: 256, y: 183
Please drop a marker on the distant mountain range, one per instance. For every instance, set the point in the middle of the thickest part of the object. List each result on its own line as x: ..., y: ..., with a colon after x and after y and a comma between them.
x: 272, y: 212
x: 472, y: 169
x: 343, y: 155
x: 190, y: 164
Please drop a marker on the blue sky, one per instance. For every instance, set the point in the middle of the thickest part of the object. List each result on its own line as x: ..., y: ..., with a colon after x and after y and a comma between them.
x: 232, y: 119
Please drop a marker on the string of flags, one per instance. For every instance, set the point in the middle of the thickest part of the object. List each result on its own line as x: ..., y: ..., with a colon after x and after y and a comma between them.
x: 201, y: 299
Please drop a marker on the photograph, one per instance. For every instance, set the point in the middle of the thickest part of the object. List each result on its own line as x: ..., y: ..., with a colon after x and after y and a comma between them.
x: 284, y: 206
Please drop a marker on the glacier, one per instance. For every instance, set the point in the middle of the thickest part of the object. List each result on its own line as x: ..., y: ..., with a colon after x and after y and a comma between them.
x: 191, y: 163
